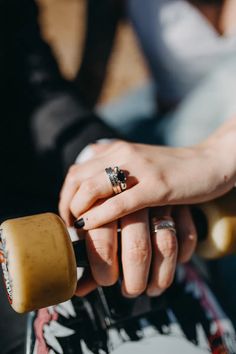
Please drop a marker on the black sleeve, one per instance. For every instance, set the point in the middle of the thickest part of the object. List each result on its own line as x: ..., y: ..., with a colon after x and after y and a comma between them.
x: 59, y: 120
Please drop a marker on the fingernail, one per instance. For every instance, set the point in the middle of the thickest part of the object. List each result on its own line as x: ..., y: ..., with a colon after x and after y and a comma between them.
x: 78, y: 224
x: 156, y: 292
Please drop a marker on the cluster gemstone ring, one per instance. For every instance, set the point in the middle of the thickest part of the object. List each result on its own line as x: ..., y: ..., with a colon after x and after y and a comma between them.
x: 117, y: 178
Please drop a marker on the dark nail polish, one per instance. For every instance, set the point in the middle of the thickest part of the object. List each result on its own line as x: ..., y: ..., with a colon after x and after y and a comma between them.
x: 78, y: 224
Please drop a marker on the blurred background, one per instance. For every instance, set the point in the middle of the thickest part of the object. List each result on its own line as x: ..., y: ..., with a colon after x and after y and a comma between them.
x: 63, y: 24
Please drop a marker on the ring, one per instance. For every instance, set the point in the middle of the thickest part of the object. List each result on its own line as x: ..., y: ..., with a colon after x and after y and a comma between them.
x: 162, y: 224
x: 117, y: 178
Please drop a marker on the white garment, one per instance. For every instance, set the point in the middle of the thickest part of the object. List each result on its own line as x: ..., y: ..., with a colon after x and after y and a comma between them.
x: 182, y: 47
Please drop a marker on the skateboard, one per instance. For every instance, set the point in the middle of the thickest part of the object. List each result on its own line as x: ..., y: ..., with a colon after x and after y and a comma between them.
x: 40, y: 262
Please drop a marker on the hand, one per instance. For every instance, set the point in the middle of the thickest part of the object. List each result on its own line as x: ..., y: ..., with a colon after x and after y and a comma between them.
x: 148, y: 260
x: 156, y: 176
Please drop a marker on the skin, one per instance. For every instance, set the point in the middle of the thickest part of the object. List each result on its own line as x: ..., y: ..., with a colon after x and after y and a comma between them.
x: 157, y: 177
x: 160, y: 179
x: 142, y: 254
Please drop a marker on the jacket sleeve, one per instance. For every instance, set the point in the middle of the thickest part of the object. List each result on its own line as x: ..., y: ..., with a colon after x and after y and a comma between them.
x: 59, y: 120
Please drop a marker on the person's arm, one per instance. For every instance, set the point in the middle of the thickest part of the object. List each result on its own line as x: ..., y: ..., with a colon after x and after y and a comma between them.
x: 156, y: 176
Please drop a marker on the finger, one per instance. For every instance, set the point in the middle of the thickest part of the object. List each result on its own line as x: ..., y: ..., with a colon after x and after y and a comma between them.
x: 75, y: 176
x: 89, y: 192
x: 186, y: 231
x: 81, y: 175
x: 86, y: 284
x: 136, y: 252
x: 88, y: 169
x: 102, y: 247
x: 69, y: 188
x: 112, y: 209
x: 164, y: 258
x: 93, y: 189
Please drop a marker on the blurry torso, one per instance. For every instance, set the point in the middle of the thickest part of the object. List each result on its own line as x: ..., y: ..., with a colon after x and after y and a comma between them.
x: 183, y: 40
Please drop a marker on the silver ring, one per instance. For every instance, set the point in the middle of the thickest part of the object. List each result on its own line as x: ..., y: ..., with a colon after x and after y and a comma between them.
x: 162, y: 224
x: 117, y: 178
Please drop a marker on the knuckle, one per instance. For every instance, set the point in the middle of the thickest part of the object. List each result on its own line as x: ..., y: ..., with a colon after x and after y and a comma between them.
x: 125, y: 148
x: 72, y: 169
x: 74, y: 208
x: 121, y: 145
x: 168, y: 245
x: 138, y: 253
x: 89, y: 187
x: 71, y: 179
x: 103, y: 252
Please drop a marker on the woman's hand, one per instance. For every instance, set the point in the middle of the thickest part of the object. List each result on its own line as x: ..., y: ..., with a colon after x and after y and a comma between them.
x: 155, y: 176
x: 148, y: 259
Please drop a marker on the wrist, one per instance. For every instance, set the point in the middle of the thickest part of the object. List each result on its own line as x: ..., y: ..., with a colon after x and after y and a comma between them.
x: 220, y: 151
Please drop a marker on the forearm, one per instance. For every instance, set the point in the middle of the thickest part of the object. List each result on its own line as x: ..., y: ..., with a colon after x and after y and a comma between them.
x: 221, y: 147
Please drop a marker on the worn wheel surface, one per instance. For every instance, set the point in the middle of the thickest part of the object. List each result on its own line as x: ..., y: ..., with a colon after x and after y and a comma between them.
x: 38, y: 261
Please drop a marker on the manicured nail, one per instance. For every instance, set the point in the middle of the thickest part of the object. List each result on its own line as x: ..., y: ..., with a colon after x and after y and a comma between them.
x: 78, y: 224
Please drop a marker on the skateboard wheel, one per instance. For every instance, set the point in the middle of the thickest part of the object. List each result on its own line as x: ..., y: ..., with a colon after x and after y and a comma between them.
x: 220, y: 238
x: 38, y: 261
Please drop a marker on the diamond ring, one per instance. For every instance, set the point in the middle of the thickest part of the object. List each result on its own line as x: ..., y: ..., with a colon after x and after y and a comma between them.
x: 117, y: 178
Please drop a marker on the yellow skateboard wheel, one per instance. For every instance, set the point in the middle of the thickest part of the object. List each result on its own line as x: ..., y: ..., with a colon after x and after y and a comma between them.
x: 38, y: 261
x: 220, y: 218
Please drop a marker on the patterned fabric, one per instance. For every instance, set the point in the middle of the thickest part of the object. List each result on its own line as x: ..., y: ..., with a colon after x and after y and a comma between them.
x: 187, y: 318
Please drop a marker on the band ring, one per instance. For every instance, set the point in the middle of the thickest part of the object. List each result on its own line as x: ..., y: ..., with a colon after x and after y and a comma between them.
x: 162, y: 224
x: 117, y: 178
